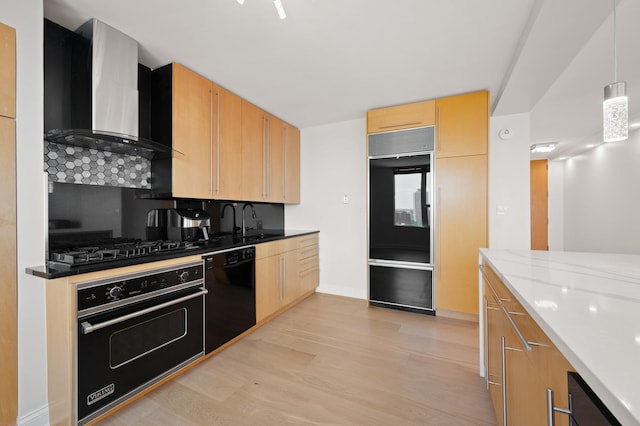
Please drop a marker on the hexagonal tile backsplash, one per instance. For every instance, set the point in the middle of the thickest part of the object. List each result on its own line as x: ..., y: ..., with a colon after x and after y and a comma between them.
x: 74, y: 164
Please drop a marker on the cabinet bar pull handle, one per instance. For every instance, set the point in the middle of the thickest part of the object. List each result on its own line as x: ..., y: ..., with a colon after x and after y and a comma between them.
x: 218, y: 148
x: 210, y: 141
x: 551, y: 408
x: 439, y: 254
x: 268, y: 157
x: 264, y: 156
x: 503, y: 356
x: 284, y: 277
x: 280, y: 277
x: 524, y: 341
x: 284, y: 158
x: 486, y: 342
x: 438, y: 129
x: 415, y: 123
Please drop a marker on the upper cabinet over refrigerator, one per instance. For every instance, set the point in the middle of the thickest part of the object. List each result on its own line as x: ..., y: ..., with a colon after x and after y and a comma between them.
x: 401, y: 182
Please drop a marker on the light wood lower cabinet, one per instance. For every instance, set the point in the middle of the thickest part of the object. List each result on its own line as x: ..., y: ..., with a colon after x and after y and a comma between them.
x: 286, y: 271
x: 519, y: 371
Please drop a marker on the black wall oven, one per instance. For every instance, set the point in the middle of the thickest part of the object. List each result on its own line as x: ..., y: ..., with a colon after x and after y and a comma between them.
x: 135, y: 331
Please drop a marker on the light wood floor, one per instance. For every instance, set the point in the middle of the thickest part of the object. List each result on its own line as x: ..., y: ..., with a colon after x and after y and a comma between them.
x: 330, y: 361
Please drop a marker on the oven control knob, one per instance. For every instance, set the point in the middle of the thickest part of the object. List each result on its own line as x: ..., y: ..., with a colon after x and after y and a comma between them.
x: 115, y: 292
x: 184, y: 276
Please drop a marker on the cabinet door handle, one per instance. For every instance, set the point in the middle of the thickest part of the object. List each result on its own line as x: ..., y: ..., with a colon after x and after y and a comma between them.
x: 268, y: 158
x: 438, y: 141
x: 218, y: 146
x: 486, y: 343
x: 415, y: 123
x: 503, y: 357
x: 439, y: 219
x: 264, y: 156
x: 210, y: 141
x: 281, y: 287
x: 551, y: 409
x: 284, y: 158
x: 284, y: 278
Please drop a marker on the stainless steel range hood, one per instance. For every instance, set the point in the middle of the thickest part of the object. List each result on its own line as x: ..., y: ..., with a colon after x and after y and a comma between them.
x: 114, y: 96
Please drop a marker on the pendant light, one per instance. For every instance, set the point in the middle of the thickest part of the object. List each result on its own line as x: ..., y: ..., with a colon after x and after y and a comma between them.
x: 615, y: 107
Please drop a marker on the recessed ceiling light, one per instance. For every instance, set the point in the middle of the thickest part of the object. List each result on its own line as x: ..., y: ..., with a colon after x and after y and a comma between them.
x: 543, y: 147
x: 591, y: 145
x: 634, y: 125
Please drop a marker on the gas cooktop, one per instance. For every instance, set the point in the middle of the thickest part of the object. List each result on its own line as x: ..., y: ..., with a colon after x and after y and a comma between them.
x: 112, y: 250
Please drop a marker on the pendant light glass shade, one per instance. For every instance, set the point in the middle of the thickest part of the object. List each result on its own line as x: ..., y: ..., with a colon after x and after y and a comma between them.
x: 615, y: 109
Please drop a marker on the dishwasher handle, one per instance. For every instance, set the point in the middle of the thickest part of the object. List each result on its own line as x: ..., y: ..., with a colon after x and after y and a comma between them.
x: 86, y: 327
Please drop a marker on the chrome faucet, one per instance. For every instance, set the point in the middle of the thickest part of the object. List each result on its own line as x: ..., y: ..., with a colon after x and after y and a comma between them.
x: 253, y: 215
x: 233, y: 230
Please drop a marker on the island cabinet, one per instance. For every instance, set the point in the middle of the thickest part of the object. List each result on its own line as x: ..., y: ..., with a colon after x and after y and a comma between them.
x: 417, y: 114
x: 8, y: 257
x: 286, y: 271
x: 461, y: 199
x: 521, y: 362
x: 270, y: 157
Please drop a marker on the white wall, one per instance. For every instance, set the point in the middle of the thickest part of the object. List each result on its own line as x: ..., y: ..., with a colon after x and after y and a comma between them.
x: 602, y: 199
x: 333, y: 164
x: 26, y: 17
x: 509, y: 183
x: 556, y: 205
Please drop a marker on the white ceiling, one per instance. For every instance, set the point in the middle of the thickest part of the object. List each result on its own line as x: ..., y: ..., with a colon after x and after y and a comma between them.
x: 332, y: 60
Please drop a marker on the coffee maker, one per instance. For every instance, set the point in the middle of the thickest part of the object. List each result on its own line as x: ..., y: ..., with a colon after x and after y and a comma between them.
x: 187, y: 224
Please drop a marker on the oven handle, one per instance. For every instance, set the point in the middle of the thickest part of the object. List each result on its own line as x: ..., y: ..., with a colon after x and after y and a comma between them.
x: 86, y: 327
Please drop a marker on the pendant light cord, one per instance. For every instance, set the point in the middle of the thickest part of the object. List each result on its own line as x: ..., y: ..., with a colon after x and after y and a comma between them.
x: 615, y: 53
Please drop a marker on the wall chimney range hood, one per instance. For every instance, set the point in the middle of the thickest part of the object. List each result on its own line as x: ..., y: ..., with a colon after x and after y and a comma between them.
x: 102, y: 61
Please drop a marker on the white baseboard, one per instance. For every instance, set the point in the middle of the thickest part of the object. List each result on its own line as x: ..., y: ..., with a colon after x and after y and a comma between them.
x: 39, y: 417
x: 338, y: 290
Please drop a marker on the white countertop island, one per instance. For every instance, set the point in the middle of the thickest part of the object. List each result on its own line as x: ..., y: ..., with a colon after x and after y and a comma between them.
x: 588, y: 304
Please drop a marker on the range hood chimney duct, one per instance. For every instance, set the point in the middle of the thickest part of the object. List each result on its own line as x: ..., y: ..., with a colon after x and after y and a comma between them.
x: 113, y: 59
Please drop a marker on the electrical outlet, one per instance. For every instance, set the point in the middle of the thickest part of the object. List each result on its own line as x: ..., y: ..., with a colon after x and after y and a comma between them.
x: 259, y: 223
x: 345, y: 199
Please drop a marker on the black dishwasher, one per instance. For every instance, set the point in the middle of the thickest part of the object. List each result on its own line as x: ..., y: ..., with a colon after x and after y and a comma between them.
x: 230, y: 305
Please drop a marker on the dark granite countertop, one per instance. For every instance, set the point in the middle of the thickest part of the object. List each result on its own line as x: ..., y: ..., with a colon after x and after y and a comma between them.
x: 216, y: 243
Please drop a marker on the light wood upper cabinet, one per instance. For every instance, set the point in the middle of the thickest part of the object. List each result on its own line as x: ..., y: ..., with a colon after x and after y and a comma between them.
x: 398, y: 117
x: 270, y: 157
x: 462, y: 125
x: 7, y: 71
x: 193, y: 117
x: 274, y: 161
x: 225, y: 148
x: 227, y: 154
x: 254, y: 140
x: 461, y: 230
x: 291, y: 164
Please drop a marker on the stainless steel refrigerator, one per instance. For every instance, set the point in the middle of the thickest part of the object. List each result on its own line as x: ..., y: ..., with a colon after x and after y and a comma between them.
x: 400, y: 204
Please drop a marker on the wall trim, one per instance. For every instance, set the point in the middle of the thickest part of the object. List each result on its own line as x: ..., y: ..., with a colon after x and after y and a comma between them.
x: 39, y: 417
